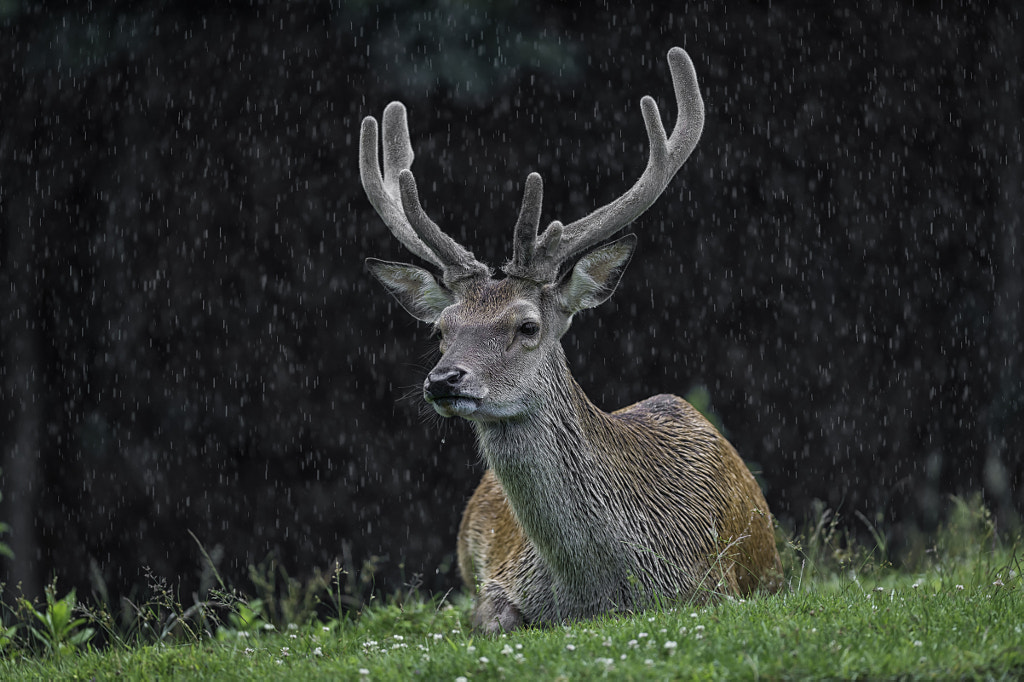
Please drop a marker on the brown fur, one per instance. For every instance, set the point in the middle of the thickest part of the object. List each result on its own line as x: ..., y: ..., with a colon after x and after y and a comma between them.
x: 661, y: 459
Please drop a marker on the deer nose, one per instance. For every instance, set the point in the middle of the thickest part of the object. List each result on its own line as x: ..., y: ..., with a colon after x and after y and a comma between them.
x: 444, y: 382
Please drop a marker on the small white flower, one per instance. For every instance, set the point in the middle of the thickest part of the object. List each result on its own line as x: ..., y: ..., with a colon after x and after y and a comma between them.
x: 670, y: 645
x: 916, y: 585
x: 959, y: 587
x: 693, y: 615
x: 632, y: 643
x: 484, y: 660
x: 249, y: 651
x: 998, y: 582
x: 519, y: 658
x: 437, y: 636
x: 648, y: 661
x: 917, y: 642
x: 293, y: 626
x: 470, y: 648
x: 318, y: 651
x: 399, y: 637
x: 326, y: 629
x: 268, y: 626
x: 641, y: 635
x: 698, y: 636
x: 461, y: 678
x: 607, y: 642
x: 506, y: 650
x: 570, y: 647
x: 364, y: 672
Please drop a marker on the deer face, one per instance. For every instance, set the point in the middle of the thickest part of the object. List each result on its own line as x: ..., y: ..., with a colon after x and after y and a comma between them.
x: 493, y: 342
x: 497, y: 337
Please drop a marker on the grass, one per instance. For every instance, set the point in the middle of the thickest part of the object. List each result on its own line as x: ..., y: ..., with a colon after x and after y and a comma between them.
x: 960, y: 615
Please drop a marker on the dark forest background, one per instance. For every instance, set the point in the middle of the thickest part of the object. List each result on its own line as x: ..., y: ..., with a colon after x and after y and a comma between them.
x: 190, y: 342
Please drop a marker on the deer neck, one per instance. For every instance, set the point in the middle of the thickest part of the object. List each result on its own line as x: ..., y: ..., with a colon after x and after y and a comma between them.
x: 550, y: 465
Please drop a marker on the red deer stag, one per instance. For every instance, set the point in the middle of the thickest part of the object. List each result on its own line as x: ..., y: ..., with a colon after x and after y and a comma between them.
x: 580, y: 511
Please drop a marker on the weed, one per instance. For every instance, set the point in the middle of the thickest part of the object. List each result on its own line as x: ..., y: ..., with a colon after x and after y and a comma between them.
x: 285, y: 600
x: 55, y: 626
x: 7, y: 637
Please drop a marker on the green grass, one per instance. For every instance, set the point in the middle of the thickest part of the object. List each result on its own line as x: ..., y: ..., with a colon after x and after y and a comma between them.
x: 843, y: 615
x: 898, y: 625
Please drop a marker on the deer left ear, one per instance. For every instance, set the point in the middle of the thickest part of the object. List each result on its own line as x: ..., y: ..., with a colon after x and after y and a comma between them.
x: 596, y: 275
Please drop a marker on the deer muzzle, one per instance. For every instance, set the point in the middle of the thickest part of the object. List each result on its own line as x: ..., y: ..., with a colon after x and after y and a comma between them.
x: 453, y: 391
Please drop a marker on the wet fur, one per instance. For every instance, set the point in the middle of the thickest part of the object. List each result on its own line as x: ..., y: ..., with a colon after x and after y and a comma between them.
x: 583, y: 512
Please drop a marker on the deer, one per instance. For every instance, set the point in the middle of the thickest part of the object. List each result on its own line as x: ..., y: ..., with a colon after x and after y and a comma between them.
x: 579, y: 512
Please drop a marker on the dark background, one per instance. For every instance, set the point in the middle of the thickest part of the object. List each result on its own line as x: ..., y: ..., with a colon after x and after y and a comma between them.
x: 190, y: 342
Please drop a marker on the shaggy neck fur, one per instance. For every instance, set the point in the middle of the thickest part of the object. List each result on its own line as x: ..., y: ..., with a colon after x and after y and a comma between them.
x: 552, y: 473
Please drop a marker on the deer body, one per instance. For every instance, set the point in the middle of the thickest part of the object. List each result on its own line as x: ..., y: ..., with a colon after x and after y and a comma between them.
x: 583, y: 512
x: 580, y: 511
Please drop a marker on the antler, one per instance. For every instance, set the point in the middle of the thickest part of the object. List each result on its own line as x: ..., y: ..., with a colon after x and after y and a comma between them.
x: 539, y: 258
x: 396, y: 200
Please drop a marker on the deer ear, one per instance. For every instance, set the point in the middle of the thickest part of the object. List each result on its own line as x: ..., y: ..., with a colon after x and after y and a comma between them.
x: 595, y: 275
x: 415, y: 288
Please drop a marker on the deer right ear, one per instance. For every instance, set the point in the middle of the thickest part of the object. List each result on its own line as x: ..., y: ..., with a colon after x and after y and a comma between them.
x: 595, y: 275
x: 415, y: 288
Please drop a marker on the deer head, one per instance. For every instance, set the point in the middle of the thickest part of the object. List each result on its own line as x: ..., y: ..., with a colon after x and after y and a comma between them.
x: 499, y: 337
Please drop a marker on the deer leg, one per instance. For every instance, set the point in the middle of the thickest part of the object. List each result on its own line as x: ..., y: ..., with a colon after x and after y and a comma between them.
x: 494, y: 612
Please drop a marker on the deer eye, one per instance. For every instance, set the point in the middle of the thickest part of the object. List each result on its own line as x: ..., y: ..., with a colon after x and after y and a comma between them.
x: 529, y: 328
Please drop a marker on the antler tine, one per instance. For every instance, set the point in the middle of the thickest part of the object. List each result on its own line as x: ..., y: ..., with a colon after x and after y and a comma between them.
x: 459, y: 264
x: 398, y: 155
x: 394, y: 197
x: 667, y: 155
x: 524, y: 242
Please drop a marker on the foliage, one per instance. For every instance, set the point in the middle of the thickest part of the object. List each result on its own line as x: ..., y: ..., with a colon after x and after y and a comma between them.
x: 960, y: 614
x: 964, y: 624
x: 56, y: 628
x: 7, y: 637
